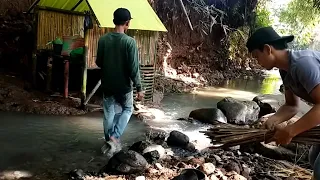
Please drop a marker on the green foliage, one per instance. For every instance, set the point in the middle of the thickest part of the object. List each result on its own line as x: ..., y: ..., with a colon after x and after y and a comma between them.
x: 263, y: 15
x: 300, y: 18
x: 238, y: 52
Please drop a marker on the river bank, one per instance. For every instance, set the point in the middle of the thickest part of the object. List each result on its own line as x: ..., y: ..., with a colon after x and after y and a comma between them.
x: 16, y: 97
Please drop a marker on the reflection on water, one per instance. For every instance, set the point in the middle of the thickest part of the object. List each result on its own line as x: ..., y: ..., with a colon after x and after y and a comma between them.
x: 268, y: 85
x: 56, y: 144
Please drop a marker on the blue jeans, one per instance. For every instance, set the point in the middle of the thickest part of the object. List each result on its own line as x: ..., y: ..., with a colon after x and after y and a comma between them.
x: 314, y: 159
x: 115, y: 124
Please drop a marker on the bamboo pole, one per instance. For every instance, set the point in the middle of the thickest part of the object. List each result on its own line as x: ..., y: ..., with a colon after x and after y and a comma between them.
x: 66, y: 79
x: 92, y: 93
x: 185, y: 12
x: 85, y: 67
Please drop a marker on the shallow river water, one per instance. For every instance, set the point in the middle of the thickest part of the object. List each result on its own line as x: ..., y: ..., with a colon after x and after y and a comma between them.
x: 51, y: 146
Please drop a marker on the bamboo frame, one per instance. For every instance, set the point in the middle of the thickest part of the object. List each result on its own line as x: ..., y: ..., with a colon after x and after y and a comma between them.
x: 61, y: 10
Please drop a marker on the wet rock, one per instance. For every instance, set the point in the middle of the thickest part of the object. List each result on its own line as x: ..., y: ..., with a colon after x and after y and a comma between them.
x: 239, y: 112
x: 151, y: 171
x: 188, y: 158
x: 234, y: 148
x: 237, y: 177
x: 190, y: 174
x: 207, y: 168
x: 209, y: 115
x: 270, y: 150
x: 197, y: 161
x: 161, y: 151
x: 218, y: 159
x: 76, y: 174
x: 219, y: 172
x: 157, y: 136
x: 126, y: 162
x: 252, y: 112
x: 158, y: 166
x: 213, y: 177
x: 246, y: 171
x: 265, y: 107
x: 210, y: 160
x: 191, y: 147
x: 139, y: 146
x: 152, y: 156
x: 177, y: 139
x: 233, y: 166
x: 140, y: 178
x: 182, y: 165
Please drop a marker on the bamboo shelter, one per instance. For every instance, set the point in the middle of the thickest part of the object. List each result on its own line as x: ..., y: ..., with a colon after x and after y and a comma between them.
x: 58, y: 18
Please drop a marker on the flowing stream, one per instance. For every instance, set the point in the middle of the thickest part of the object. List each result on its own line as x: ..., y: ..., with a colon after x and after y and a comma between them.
x: 51, y: 146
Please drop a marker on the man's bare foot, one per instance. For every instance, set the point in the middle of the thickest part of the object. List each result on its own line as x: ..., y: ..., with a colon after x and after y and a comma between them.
x: 113, y: 139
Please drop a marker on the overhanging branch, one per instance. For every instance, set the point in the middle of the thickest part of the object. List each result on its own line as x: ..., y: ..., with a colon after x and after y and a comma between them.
x: 316, y: 4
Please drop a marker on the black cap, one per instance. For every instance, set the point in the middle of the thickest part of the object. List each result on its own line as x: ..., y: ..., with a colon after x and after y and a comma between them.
x: 264, y: 36
x: 121, y: 15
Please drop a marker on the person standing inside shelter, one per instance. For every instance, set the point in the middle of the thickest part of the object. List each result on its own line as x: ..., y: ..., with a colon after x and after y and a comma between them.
x: 117, y: 56
x: 300, y: 73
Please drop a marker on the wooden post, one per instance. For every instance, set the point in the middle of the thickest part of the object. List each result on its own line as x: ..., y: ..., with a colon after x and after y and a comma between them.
x: 49, y: 73
x: 34, y: 69
x: 85, y: 66
x: 66, y: 78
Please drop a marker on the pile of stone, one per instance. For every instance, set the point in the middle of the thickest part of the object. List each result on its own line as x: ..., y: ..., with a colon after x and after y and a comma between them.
x: 167, y: 156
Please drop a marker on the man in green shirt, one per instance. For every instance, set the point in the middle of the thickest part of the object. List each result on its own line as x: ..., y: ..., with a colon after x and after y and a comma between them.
x: 117, y: 56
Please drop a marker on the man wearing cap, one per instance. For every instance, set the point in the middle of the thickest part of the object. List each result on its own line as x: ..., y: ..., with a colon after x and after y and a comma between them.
x: 300, y: 73
x: 117, y: 56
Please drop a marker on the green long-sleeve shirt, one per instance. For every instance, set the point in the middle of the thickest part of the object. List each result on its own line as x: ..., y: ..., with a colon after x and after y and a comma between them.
x: 117, y: 56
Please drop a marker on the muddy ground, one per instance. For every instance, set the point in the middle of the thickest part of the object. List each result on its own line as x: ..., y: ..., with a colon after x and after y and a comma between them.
x: 15, y: 97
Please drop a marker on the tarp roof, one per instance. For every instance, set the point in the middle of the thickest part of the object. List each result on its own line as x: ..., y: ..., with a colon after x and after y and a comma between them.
x: 144, y: 17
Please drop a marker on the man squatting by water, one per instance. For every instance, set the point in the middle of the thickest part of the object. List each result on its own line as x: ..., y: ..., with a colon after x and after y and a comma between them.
x: 300, y: 73
x: 117, y: 56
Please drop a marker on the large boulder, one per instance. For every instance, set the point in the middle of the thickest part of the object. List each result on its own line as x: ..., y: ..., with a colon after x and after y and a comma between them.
x: 239, y: 112
x: 178, y: 139
x: 208, y: 115
x: 126, y: 162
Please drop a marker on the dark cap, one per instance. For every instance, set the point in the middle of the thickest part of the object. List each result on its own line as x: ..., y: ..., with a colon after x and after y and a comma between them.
x: 266, y: 35
x: 121, y: 15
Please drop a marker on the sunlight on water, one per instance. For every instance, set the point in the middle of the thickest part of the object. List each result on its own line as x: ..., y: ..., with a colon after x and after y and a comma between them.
x: 223, y: 92
x: 10, y: 175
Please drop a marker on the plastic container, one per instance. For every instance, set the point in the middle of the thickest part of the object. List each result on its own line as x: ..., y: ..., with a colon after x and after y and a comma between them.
x: 70, y: 43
